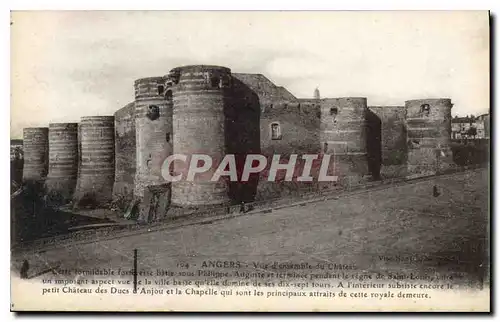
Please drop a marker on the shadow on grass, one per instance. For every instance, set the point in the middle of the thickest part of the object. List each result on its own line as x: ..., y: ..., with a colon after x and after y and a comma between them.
x: 466, y: 257
x: 31, y: 219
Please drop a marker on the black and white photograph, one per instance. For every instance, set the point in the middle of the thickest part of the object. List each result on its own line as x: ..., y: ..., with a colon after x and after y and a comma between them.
x: 250, y: 161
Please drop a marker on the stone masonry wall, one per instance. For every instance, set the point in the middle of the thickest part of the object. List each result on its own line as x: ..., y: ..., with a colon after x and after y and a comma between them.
x: 125, y: 152
x: 394, y: 151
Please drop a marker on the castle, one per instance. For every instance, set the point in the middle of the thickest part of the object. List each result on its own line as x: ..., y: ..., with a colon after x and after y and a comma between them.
x: 210, y: 109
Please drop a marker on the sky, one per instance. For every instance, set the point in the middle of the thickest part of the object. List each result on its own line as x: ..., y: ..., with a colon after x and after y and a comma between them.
x: 69, y: 64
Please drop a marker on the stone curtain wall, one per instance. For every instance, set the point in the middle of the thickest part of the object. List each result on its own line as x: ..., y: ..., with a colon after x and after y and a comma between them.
x: 125, y: 155
x: 393, y: 147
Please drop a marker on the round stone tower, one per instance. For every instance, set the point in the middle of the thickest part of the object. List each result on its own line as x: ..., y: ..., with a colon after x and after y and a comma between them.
x: 97, y: 161
x: 200, y: 94
x: 153, y: 123
x: 343, y: 136
x: 63, y: 161
x: 428, y: 124
x: 35, y: 149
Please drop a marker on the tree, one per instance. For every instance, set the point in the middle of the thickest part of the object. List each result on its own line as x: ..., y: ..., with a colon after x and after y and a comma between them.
x: 18, y: 153
x: 472, y: 132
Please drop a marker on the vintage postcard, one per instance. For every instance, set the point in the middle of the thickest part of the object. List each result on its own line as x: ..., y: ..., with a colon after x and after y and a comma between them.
x: 314, y: 161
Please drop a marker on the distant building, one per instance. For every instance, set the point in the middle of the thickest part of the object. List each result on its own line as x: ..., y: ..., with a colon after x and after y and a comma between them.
x: 16, y: 148
x: 470, y: 127
x: 484, y: 119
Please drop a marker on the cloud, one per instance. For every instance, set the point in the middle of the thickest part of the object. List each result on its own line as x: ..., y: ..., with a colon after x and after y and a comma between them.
x: 69, y: 64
